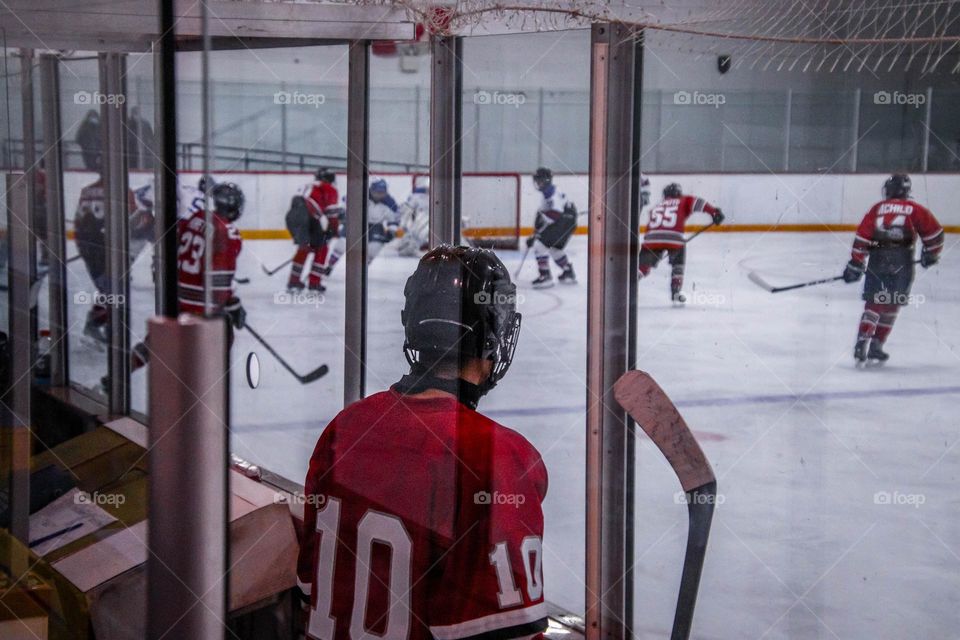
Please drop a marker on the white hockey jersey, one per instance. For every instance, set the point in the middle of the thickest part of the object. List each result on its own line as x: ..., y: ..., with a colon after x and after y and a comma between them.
x: 551, y: 206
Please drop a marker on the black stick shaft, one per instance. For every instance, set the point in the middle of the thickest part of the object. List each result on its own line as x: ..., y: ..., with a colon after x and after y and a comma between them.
x: 270, y: 272
x: 712, y: 224
x: 276, y: 355
x: 700, y: 502
x: 806, y: 284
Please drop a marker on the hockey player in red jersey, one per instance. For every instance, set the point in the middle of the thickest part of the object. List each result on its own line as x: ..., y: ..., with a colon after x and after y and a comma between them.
x: 323, y: 205
x: 227, y: 200
x: 423, y: 517
x: 884, y: 249
x: 665, y: 235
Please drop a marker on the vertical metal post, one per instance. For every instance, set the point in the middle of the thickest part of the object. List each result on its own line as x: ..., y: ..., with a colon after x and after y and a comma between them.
x: 187, y: 524
x: 113, y: 125
x: 358, y: 145
x: 166, y: 175
x: 788, y: 119
x: 611, y: 193
x: 445, y: 167
x: 927, y: 128
x: 56, y: 235
x: 22, y: 198
x: 283, y: 130
x: 416, y: 125
x: 855, y: 145
x: 633, y: 254
x: 540, y: 110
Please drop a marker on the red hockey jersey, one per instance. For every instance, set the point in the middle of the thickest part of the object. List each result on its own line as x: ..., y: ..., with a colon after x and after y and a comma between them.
x: 191, y: 261
x: 897, y: 223
x: 422, y: 520
x: 669, y: 218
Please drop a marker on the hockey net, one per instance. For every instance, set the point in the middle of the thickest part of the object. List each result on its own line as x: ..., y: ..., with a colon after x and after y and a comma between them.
x: 807, y: 35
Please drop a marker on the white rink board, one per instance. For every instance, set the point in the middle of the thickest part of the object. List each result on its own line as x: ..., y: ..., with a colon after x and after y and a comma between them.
x: 746, y: 199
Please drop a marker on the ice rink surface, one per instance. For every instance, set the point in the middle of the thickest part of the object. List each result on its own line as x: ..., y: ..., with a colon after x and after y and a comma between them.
x: 838, y: 514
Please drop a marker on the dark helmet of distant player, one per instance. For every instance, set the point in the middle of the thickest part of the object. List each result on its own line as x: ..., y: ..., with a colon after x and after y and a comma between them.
x: 897, y: 186
x: 543, y: 178
x: 460, y: 303
x: 206, y: 181
x: 326, y: 174
x: 227, y: 200
x: 378, y: 190
x: 672, y: 190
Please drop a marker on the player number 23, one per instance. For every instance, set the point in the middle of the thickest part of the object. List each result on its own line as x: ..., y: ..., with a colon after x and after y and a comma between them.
x: 387, y: 529
x: 191, y: 251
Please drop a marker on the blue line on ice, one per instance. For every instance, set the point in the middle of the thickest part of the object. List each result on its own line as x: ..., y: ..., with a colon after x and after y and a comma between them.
x: 726, y: 402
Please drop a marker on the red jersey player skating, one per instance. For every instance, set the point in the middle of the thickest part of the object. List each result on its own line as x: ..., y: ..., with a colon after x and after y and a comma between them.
x: 422, y: 516
x: 665, y: 235
x: 227, y: 199
x: 323, y: 205
x: 884, y: 249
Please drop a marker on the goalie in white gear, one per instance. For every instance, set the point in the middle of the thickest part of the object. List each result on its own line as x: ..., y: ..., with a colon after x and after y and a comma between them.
x: 415, y: 219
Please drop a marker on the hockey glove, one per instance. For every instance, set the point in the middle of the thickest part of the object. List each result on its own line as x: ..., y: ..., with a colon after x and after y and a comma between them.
x: 928, y: 259
x: 236, y: 313
x: 718, y: 217
x: 853, y: 272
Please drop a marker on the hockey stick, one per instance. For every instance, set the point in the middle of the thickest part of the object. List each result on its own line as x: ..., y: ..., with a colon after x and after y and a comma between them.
x: 241, y: 280
x: 763, y: 284
x: 712, y: 224
x: 316, y: 374
x: 270, y: 272
x: 649, y: 406
x: 522, y: 260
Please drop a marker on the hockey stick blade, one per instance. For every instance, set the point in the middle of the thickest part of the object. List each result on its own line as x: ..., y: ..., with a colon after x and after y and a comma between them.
x: 316, y: 374
x: 653, y: 411
x: 760, y: 282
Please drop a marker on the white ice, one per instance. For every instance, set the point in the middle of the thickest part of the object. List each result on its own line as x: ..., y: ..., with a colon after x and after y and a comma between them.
x: 800, y: 439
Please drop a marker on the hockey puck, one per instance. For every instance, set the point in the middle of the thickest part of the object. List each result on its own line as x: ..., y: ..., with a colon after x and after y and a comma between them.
x: 253, y: 370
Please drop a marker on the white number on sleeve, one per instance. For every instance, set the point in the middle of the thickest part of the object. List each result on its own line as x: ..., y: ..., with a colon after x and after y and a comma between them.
x: 531, y: 550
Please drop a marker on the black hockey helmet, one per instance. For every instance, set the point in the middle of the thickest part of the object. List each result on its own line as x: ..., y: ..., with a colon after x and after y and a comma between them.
x: 227, y: 200
x: 460, y: 303
x: 672, y: 190
x: 206, y: 181
x: 543, y: 178
x: 326, y: 174
x: 897, y: 186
